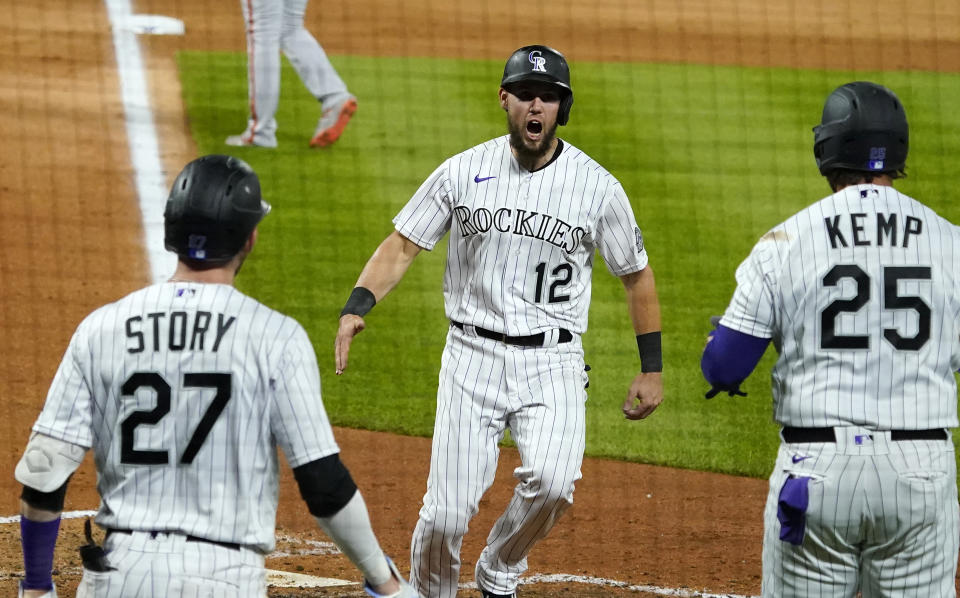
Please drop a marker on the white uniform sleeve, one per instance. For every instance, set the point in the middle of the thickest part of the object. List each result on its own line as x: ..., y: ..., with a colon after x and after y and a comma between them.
x: 67, y: 412
x: 617, y: 236
x: 298, y: 419
x: 427, y: 216
x: 752, y: 310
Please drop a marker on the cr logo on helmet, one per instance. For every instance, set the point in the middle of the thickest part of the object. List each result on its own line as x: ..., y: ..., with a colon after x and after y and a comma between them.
x: 538, y: 61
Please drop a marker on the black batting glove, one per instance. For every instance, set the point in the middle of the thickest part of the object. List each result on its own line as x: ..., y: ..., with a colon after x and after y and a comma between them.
x: 733, y: 390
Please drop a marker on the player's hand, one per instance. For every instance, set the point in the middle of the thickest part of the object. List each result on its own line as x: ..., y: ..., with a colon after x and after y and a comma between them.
x: 646, y: 393
x: 350, y: 326
x: 396, y: 587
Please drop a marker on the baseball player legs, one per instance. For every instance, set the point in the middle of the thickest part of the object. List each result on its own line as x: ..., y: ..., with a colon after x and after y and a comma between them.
x: 548, y: 430
x: 274, y: 26
x: 263, y: 23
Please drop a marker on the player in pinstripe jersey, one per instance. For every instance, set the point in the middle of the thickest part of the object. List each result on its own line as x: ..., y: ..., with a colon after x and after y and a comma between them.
x: 184, y: 390
x: 526, y: 212
x: 860, y: 294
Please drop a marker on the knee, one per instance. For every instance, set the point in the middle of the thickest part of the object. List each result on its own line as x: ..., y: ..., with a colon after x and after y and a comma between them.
x: 264, y: 33
x: 552, y: 488
x: 451, y: 522
x: 287, y: 37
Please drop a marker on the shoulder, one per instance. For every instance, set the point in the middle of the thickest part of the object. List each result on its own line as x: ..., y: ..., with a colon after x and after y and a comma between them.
x: 929, y: 213
x: 459, y: 165
x: 485, y: 150
x: 121, y: 307
x: 578, y: 164
x: 263, y: 318
x: 573, y: 155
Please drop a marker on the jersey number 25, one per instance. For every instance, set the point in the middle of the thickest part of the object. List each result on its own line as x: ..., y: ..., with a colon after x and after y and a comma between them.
x: 892, y: 300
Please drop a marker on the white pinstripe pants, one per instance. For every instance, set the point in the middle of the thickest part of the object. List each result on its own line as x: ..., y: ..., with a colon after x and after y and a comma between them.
x: 485, y: 387
x: 168, y: 565
x: 882, y: 519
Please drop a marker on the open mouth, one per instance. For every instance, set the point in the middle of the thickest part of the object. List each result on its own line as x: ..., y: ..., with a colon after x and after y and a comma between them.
x: 534, y: 127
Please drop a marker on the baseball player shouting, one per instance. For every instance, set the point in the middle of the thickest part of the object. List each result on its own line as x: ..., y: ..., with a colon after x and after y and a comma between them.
x: 525, y: 212
x: 860, y: 294
x: 184, y: 390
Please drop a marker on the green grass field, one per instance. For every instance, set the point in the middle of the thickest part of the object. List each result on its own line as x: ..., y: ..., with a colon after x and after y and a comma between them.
x: 712, y: 157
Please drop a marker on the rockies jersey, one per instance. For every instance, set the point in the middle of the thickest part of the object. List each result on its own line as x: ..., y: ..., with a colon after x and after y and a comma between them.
x: 860, y: 294
x: 184, y: 390
x: 522, y: 243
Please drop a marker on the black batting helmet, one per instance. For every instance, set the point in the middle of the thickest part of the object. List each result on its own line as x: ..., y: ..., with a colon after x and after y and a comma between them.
x: 541, y: 63
x: 863, y: 128
x: 213, y: 207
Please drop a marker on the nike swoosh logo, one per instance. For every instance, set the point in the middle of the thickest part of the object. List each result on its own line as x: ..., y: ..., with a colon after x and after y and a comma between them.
x: 477, y: 178
x: 799, y: 458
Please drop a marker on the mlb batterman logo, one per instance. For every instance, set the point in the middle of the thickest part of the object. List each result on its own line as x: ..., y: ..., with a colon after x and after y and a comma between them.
x: 538, y: 61
x: 877, y: 156
x: 195, y: 246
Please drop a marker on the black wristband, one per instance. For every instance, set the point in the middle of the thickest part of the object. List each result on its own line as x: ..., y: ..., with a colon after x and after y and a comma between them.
x: 361, y: 301
x: 651, y: 357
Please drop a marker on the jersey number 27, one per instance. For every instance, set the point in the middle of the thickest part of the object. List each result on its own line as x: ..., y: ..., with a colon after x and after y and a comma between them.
x: 129, y: 455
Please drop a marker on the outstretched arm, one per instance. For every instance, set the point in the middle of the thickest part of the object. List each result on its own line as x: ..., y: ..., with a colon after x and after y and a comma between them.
x: 383, y: 272
x: 646, y: 391
x: 338, y: 508
x: 729, y: 357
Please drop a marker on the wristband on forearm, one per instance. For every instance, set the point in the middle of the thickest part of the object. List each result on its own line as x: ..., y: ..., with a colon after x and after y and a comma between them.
x: 38, y: 539
x: 651, y: 357
x: 361, y: 301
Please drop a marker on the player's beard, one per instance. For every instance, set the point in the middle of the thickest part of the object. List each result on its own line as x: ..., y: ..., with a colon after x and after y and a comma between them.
x: 518, y: 142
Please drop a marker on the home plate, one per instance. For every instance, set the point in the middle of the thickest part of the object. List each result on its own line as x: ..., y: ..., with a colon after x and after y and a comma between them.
x: 285, y: 579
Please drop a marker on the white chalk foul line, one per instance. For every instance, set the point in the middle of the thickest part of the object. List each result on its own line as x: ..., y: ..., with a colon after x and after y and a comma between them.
x: 64, y: 515
x: 150, y: 181
x: 612, y: 583
x: 599, y: 581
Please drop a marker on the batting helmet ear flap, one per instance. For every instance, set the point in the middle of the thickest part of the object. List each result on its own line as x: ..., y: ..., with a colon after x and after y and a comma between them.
x: 565, y: 104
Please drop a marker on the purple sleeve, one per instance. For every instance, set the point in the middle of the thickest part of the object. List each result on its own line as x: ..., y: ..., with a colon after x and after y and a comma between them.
x: 730, y: 357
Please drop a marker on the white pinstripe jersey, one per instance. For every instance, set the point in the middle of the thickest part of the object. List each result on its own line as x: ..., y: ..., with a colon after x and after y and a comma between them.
x: 184, y: 391
x: 521, y: 244
x: 861, y: 294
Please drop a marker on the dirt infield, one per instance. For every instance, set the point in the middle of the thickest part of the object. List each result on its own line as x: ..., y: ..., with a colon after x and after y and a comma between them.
x: 70, y: 240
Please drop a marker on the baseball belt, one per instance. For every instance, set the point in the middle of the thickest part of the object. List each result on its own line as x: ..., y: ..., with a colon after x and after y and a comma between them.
x: 533, y: 340
x: 154, y: 533
x: 798, y: 435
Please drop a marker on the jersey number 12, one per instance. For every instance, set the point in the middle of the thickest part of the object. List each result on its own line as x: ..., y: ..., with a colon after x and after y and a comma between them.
x: 562, y: 275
